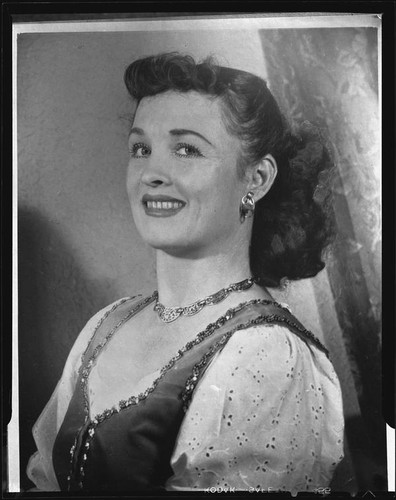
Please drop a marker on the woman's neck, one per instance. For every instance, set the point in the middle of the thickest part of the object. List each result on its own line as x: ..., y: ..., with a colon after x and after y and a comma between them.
x: 182, y: 280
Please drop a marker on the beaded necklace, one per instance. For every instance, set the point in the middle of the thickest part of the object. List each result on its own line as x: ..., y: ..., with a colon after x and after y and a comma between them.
x: 169, y: 314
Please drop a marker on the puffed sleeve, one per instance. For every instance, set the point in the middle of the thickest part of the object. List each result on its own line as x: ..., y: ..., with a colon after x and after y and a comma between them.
x: 267, y: 413
x: 40, y: 470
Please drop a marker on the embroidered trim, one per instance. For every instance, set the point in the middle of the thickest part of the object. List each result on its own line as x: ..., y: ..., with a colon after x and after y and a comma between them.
x: 135, y: 400
x: 199, y: 367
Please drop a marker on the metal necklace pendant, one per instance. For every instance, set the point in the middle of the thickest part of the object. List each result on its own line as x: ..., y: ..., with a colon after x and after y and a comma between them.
x: 169, y: 314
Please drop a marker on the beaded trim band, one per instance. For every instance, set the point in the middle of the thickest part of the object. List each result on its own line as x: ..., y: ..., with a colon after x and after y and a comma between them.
x: 191, y: 381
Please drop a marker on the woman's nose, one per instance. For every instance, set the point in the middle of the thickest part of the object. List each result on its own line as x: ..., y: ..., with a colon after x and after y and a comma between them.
x: 156, y: 172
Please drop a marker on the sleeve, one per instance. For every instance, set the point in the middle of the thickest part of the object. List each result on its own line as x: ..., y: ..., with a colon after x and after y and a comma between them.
x: 266, y: 415
x: 40, y: 470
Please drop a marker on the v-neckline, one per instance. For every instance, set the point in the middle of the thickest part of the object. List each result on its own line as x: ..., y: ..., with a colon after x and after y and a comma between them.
x: 135, y: 399
x: 199, y: 337
x: 88, y: 364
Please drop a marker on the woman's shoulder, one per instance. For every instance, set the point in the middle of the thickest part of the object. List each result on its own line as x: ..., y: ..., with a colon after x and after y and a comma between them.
x: 98, y: 318
x: 274, y: 350
x: 265, y: 399
x: 102, y: 313
x: 269, y: 339
x: 271, y: 364
x: 124, y: 302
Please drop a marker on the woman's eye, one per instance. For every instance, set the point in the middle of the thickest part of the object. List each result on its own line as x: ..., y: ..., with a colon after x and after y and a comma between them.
x: 139, y: 150
x: 186, y: 150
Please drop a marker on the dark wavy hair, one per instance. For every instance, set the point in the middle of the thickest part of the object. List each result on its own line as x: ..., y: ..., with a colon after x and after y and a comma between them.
x: 293, y: 222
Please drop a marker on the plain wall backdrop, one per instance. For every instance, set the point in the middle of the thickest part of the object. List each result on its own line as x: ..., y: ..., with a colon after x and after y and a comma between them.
x: 78, y: 247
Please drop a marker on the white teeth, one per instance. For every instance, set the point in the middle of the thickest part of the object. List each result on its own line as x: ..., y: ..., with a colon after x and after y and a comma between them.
x: 164, y: 205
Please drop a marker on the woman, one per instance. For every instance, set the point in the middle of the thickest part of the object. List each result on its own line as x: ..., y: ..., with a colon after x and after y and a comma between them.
x: 165, y: 392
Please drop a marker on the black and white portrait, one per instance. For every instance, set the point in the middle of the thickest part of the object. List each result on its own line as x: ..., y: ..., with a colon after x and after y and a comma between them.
x: 198, y: 251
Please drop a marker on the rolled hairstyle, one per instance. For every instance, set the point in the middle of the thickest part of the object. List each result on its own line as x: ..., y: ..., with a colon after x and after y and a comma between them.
x: 293, y: 222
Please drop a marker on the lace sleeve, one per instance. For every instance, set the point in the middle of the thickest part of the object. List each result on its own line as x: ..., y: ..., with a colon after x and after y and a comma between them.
x: 266, y: 414
x: 40, y: 470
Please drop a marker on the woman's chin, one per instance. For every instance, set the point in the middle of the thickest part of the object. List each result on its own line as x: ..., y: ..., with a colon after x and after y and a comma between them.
x: 175, y: 250
x: 175, y: 246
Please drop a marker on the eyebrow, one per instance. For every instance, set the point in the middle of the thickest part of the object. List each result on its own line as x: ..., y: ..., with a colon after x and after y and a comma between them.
x: 175, y: 132
x: 182, y: 131
x: 136, y: 130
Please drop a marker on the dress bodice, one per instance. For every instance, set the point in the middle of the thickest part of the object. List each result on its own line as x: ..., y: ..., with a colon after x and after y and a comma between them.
x: 129, y: 446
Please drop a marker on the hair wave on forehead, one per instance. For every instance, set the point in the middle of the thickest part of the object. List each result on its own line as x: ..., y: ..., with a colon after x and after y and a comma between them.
x: 250, y: 111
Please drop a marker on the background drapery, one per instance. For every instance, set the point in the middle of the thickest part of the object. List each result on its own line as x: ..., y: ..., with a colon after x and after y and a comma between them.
x: 79, y: 251
x: 330, y: 77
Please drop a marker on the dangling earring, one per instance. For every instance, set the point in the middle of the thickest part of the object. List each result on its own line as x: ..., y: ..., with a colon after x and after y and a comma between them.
x: 247, y: 206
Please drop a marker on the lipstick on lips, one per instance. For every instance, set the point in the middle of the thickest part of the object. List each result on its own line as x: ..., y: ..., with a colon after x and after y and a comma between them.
x: 161, y: 205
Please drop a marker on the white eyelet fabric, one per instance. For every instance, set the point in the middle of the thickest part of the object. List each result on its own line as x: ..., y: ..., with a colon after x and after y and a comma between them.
x: 266, y: 414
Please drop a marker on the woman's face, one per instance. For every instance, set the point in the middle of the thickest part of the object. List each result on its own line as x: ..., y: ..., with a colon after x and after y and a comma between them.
x: 182, y: 181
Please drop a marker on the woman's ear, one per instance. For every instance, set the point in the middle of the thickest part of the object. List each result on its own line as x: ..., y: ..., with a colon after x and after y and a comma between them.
x: 261, y: 176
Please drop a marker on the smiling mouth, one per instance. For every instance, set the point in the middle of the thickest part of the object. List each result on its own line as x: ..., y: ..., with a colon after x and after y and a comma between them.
x: 165, y: 207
